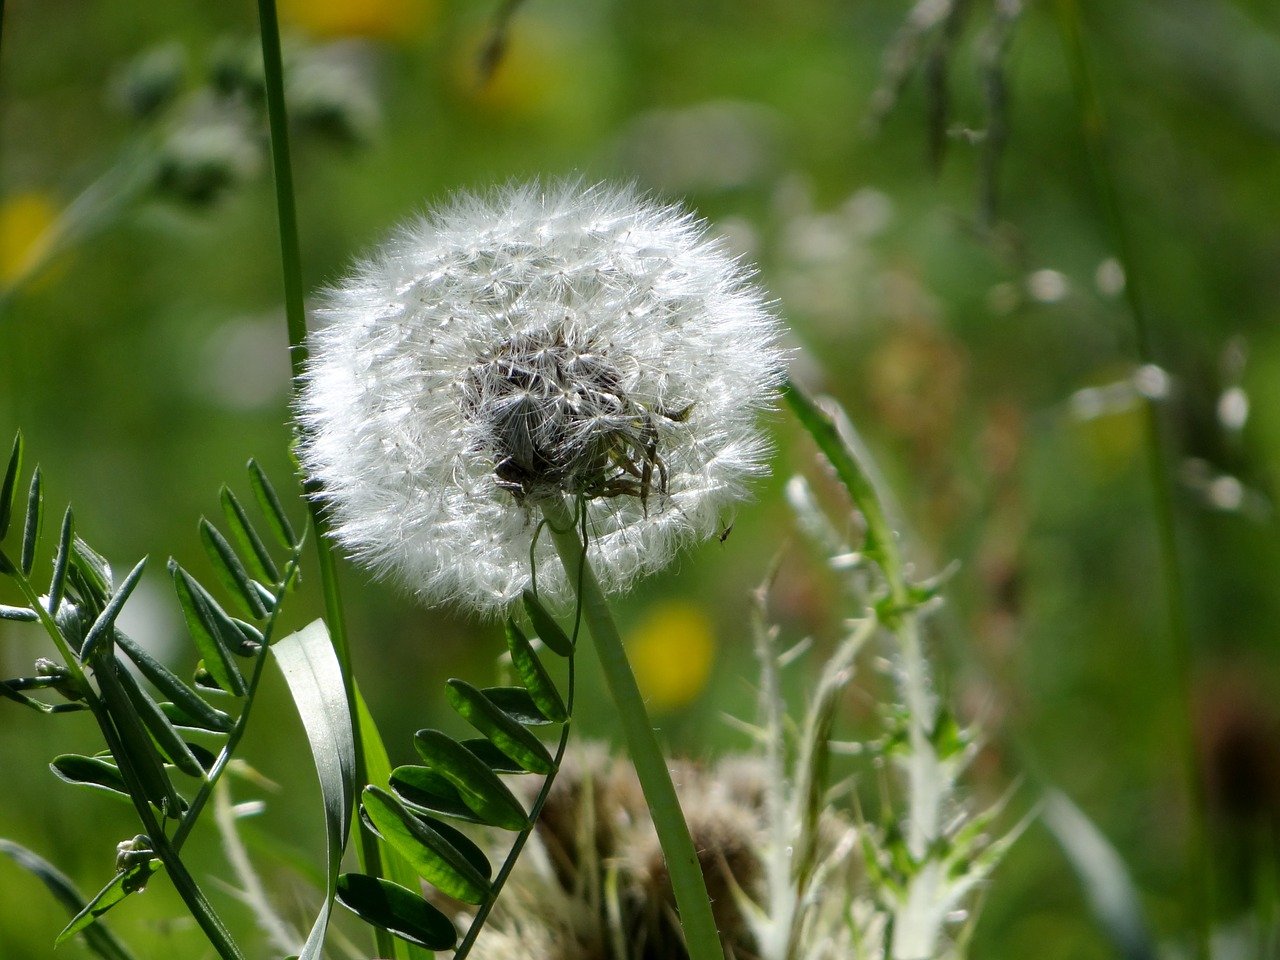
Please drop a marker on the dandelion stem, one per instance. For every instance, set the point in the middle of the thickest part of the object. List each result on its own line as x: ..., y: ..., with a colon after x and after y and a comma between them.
x: 692, y: 900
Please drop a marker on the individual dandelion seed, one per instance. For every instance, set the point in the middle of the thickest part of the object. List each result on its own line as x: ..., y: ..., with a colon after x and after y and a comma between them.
x: 545, y: 341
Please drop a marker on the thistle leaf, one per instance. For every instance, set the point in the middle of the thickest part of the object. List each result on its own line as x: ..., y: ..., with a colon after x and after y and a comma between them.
x: 477, y: 785
x: 255, y: 552
x: 10, y: 485
x: 534, y: 675
x: 392, y: 907
x: 230, y: 571
x: 504, y: 731
x: 546, y: 627
x: 34, y: 523
x: 271, y: 507
x: 212, y: 630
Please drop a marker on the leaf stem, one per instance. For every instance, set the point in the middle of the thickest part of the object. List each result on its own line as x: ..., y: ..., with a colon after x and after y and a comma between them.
x: 687, y: 882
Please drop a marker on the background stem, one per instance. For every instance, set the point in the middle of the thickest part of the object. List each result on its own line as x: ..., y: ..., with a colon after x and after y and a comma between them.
x: 692, y: 900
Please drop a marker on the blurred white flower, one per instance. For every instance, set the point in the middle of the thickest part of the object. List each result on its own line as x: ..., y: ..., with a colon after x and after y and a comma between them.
x: 546, y: 341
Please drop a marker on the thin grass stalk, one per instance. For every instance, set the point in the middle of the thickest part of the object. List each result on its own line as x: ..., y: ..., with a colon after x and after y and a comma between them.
x: 1199, y: 885
x: 296, y: 320
x: 692, y: 899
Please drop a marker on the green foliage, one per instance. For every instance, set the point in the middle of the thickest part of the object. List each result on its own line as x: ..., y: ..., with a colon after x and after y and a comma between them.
x: 147, y: 758
x: 461, y: 780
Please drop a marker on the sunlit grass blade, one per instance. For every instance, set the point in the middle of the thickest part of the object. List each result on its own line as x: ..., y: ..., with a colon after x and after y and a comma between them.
x: 34, y: 523
x: 315, y: 681
x: 392, y: 907
x: 505, y: 732
x: 534, y: 675
x: 477, y: 785
x: 97, y: 937
x: 10, y: 486
x: 230, y: 571
x: 254, y: 551
x: 427, y: 849
x: 272, y: 508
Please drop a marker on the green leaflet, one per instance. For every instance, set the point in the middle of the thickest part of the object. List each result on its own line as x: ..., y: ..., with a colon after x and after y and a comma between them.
x: 424, y: 789
x: 314, y: 676
x: 392, y: 907
x: 58, y: 584
x: 105, y: 623
x: 10, y: 485
x: 89, y: 772
x: 231, y: 572
x: 546, y: 627
x: 131, y: 880
x: 271, y: 507
x: 444, y: 857
x: 477, y: 785
x: 254, y: 551
x: 505, y: 732
x: 534, y: 675
x: 190, y: 705
x: 212, y: 630
x: 34, y: 522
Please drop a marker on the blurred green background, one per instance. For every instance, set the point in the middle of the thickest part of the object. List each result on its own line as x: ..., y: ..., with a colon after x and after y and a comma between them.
x: 913, y: 182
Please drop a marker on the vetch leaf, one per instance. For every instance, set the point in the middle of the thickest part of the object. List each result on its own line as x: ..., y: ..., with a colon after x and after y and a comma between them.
x: 545, y: 626
x: 93, y: 772
x: 271, y: 507
x: 10, y: 486
x: 58, y: 585
x: 231, y: 572
x: 534, y: 675
x: 98, y: 938
x: 34, y: 523
x: 104, y: 625
x: 95, y: 572
x: 427, y: 848
x: 166, y: 737
x: 517, y: 703
x: 315, y: 680
x: 492, y: 757
x: 395, y: 908
x: 132, y: 880
x: 477, y: 785
x: 254, y: 550
x: 192, y: 705
x: 505, y: 732
x: 422, y: 788
x: 17, y: 613
x: 211, y: 629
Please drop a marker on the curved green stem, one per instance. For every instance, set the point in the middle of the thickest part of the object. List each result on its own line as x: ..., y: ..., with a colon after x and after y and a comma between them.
x: 687, y: 882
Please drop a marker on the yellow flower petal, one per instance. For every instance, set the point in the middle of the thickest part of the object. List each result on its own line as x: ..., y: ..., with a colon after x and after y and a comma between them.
x: 671, y: 652
x: 25, y: 235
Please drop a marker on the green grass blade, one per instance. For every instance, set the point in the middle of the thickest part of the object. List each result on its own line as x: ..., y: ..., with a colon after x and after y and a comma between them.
x: 315, y: 681
x: 97, y: 937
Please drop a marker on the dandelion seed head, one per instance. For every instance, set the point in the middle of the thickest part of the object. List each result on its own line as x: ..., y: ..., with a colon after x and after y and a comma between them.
x: 544, y: 341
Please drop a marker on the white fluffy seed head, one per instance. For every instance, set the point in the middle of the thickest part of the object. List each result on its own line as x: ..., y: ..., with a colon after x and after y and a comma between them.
x: 547, y: 340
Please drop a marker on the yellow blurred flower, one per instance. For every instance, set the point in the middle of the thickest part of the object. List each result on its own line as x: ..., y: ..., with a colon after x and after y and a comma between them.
x: 378, y: 19
x: 671, y: 651
x: 26, y: 220
x: 527, y: 72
